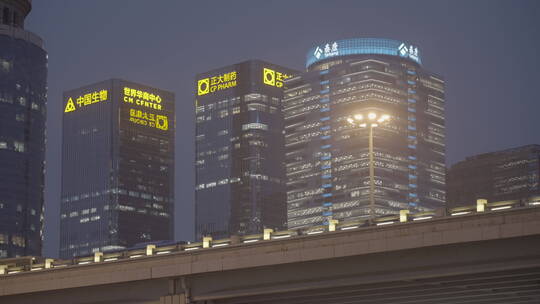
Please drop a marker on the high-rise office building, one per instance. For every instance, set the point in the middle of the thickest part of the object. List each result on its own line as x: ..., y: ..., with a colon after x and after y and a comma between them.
x: 327, y: 156
x: 505, y: 175
x: 23, y: 96
x: 117, y: 167
x: 239, y: 149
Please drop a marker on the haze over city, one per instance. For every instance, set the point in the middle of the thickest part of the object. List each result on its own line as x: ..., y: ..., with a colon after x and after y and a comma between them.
x: 309, y: 151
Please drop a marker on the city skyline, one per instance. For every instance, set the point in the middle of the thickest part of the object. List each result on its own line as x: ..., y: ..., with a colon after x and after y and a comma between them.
x: 449, y: 54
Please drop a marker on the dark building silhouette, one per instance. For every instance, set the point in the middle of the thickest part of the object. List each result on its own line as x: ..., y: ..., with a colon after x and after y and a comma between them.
x: 327, y: 156
x: 505, y: 175
x: 239, y: 149
x: 23, y: 96
x: 117, y: 167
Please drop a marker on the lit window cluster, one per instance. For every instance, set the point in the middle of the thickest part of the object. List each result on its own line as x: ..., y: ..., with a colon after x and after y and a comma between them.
x: 254, y: 126
x: 434, y: 85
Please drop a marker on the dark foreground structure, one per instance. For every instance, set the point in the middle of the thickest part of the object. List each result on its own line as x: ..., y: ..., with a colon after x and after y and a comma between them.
x: 23, y: 97
x: 117, y: 167
x: 507, y: 175
x: 240, y: 186
x: 485, y: 257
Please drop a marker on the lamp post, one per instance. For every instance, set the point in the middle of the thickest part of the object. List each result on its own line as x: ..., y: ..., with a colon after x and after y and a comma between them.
x: 370, y: 120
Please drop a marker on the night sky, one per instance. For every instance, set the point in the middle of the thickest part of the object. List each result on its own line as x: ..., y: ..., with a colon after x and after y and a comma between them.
x: 487, y: 51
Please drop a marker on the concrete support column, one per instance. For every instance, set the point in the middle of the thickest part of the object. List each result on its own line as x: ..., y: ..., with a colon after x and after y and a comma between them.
x: 178, y: 292
x: 173, y: 299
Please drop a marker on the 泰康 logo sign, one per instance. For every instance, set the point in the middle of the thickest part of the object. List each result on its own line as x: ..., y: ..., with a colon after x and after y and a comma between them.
x: 329, y: 51
x: 410, y: 52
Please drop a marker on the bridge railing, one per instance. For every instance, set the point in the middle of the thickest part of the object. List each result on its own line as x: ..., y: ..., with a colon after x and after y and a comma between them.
x: 29, y: 264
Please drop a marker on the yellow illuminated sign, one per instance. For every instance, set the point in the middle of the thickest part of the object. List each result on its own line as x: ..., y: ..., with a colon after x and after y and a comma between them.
x: 274, y: 78
x: 86, y: 100
x: 142, y: 98
x: 149, y: 119
x: 216, y: 83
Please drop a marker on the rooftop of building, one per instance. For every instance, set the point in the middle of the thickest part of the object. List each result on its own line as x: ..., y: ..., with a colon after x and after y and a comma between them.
x: 363, y: 46
x: 490, y: 156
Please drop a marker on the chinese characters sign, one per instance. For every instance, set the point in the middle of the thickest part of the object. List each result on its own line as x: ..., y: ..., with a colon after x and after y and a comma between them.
x: 362, y: 46
x: 274, y: 78
x: 149, y: 119
x: 411, y: 52
x: 151, y: 103
x: 142, y: 98
x: 86, y: 100
x: 329, y: 51
x: 216, y: 83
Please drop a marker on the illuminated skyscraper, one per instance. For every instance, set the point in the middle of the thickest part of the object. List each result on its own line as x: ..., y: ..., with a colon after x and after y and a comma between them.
x: 23, y: 96
x: 327, y: 158
x: 117, y: 167
x: 239, y: 149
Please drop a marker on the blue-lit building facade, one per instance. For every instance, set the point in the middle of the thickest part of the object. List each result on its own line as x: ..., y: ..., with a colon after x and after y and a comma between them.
x: 117, y: 167
x: 327, y: 157
x: 239, y: 150
x: 23, y: 96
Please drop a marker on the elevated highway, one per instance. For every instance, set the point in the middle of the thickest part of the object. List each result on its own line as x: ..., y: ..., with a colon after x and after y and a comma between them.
x: 487, y: 257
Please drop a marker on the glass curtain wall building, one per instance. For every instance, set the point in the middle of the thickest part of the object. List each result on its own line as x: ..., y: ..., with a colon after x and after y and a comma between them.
x: 239, y: 149
x: 327, y: 158
x: 23, y: 96
x: 117, y: 167
x: 506, y: 175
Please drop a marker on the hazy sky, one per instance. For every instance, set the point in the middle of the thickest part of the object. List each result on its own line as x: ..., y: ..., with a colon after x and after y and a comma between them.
x: 487, y: 52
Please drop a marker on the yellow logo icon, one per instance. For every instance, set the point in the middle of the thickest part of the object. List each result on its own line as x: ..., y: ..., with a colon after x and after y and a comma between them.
x: 203, y: 86
x: 269, y: 77
x: 70, y: 106
x: 162, y: 122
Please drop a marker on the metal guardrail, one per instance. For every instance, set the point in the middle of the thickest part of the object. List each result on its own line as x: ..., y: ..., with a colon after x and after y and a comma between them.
x: 30, y: 264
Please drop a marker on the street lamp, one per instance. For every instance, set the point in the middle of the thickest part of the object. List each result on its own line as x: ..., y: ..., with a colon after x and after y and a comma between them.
x: 370, y: 120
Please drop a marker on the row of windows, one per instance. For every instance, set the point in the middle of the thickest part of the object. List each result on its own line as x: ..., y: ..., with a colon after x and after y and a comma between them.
x: 264, y: 104
x: 6, y: 98
x: 233, y: 180
x: 371, y: 84
x: 16, y: 146
x: 16, y: 240
x: 437, y: 86
x: 94, y: 194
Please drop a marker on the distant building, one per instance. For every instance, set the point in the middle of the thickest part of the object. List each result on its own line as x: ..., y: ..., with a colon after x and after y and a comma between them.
x: 23, y: 97
x: 498, y: 176
x: 239, y: 149
x: 117, y: 167
x: 327, y: 158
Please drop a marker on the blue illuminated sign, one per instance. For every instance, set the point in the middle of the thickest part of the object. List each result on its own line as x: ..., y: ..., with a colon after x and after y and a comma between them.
x: 375, y: 46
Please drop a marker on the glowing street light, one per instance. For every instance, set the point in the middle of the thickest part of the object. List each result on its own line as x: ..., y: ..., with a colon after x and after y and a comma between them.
x: 374, y: 120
